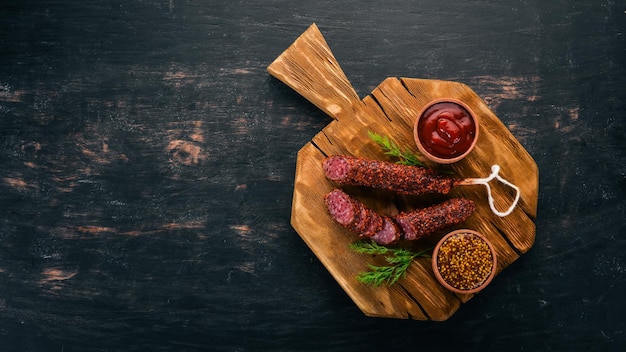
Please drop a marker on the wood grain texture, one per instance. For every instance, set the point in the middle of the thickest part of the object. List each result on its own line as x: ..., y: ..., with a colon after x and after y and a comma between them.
x: 309, y: 67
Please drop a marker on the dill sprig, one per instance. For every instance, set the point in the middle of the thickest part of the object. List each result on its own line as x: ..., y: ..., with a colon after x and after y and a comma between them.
x: 398, y: 259
x: 406, y: 156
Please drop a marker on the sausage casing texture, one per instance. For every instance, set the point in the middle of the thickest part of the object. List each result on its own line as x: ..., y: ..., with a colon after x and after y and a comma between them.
x: 422, y: 222
x: 403, y: 179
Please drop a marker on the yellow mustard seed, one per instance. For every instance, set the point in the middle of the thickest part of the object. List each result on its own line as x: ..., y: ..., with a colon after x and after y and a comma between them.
x: 464, y: 261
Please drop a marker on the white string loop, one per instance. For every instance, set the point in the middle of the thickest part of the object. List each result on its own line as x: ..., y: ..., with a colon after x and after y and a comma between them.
x: 495, y: 169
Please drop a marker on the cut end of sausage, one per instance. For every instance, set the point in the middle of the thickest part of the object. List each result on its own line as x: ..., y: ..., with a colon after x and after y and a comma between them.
x: 408, y: 229
x: 336, y: 167
x: 353, y: 214
x: 340, y: 207
x: 389, y: 234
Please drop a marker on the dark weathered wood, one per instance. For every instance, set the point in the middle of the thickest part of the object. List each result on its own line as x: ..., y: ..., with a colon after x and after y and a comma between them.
x: 147, y: 166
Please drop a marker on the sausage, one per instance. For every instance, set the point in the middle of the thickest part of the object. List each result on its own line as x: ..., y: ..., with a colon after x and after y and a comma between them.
x: 403, y: 179
x: 389, y: 234
x: 384, y: 230
x: 418, y: 223
x: 352, y: 214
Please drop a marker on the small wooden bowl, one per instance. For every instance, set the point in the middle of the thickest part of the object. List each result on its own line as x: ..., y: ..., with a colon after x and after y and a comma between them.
x: 464, y: 261
x: 447, y: 105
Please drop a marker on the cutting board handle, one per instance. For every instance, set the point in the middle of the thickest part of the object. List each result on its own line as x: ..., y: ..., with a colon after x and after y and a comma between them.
x: 309, y: 67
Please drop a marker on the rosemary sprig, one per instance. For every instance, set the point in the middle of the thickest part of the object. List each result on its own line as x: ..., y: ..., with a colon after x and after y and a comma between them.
x: 398, y: 259
x: 391, y: 148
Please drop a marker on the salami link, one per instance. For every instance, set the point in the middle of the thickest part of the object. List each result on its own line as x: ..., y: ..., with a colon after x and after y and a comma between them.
x: 404, y: 179
x: 422, y: 222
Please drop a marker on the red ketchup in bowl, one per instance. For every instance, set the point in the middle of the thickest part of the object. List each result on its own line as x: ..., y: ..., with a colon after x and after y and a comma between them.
x: 446, y: 130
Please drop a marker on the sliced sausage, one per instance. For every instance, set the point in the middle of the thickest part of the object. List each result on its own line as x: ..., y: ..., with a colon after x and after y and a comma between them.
x: 353, y: 214
x: 389, y: 234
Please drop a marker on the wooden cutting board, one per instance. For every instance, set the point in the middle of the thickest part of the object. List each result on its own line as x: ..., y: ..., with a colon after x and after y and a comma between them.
x: 309, y: 67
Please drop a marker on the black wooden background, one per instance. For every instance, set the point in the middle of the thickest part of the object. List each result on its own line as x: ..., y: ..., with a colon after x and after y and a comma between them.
x: 147, y: 166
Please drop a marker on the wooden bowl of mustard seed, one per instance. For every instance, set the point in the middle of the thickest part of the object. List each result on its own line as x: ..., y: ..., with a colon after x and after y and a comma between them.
x: 464, y: 261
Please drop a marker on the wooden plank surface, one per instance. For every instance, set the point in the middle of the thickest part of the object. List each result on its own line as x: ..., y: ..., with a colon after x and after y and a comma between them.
x: 309, y: 67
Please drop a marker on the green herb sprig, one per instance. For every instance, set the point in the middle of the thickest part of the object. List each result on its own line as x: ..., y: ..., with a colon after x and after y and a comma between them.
x: 398, y: 259
x: 391, y: 148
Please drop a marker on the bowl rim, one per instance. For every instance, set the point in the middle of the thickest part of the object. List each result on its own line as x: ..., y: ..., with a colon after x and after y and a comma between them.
x: 438, y: 274
x: 421, y: 147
